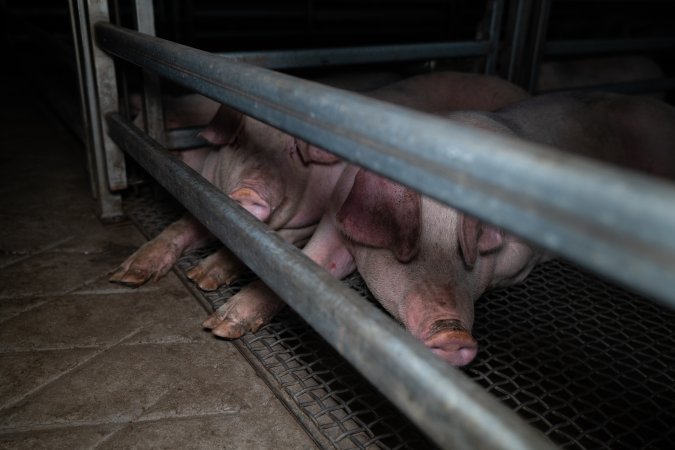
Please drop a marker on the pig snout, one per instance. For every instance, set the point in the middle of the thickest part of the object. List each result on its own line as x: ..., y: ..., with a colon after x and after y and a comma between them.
x: 452, y: 342
x: 441, y: 323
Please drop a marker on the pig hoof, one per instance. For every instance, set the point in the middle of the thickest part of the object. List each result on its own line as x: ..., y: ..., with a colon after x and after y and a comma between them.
x: 248, y: 310
x: 216, y: 270
x: 206, y: 281
x: 457, y: 347
x: 230, y: 329
x: 131, y: 277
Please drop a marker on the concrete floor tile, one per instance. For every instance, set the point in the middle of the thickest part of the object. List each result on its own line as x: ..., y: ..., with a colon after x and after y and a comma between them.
x: 26, y: 234
x: 11, y: 307
x: 269, y: 430
x: 21, y: 373
x: 37, y: 201
x: 117, y: 240
x: 148, y: 382
x: 69, y: 438
x: 87, y: 320
x: 50, y: 274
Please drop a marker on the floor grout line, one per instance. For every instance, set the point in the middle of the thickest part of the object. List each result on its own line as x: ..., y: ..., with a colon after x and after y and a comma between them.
x: 66, y: 372
x: 123, y: 421
x: 39, y: 251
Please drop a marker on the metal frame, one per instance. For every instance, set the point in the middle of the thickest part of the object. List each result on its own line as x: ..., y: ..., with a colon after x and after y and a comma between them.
x: 452, y: 410
x: 98, y: 96
x: 628, y: 221
x: 532, y: 18
x: 481, y: 174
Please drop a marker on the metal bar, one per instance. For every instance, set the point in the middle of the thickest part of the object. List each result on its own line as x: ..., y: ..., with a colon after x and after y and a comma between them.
x: 359, y: 55
x: 105, y: 161
x: 521, y: 24
x: 567, y: 47
x: 623, y: 230
x: 451, y: 409
x: 153, y: 114
x: 628, y: 87
x: 541, y: 26
x: 185, y: 138
x: 495, y: 32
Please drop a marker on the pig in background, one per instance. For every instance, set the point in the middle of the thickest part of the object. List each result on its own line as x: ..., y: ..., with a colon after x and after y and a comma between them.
x: 285, y: 183
x: 427, y: 263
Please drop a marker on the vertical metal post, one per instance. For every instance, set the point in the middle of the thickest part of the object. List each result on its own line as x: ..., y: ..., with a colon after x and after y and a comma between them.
x: 153, y: 115
x: 541, y: 26
x: 518, y: 38
x: 495, y: 31
x: 98, y: 96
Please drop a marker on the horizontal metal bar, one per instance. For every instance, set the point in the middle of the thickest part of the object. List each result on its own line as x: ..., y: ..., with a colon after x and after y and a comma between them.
x: 360, y: 55
x: 613, y: 221
x: 585, y: 46
x: 628, y: 87
x: 184, y: 138
x: 442, y: 401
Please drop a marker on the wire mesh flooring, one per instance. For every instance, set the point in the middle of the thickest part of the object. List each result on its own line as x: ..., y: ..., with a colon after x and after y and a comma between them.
x: 589, y: 364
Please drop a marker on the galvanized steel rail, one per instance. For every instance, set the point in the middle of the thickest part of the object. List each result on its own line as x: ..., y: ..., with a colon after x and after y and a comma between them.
x: 454, y: 411
x: 359, y: 55
x: 612, y: 221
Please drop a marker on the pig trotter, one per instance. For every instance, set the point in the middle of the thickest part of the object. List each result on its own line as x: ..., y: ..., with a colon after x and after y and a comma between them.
x: 219, y: 268
x: 253, y: 307
x: 452, y: 342
x: 152, y: 261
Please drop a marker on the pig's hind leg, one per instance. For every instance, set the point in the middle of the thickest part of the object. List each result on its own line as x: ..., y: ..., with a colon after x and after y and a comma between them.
x: 156, y: 257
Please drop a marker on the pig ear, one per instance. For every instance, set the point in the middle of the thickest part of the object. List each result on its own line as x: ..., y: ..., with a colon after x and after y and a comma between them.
x: 313, y: 154
x: 224, y: 127
x: 476, y: 238
x: 253, y: 202
x: 382, y: 214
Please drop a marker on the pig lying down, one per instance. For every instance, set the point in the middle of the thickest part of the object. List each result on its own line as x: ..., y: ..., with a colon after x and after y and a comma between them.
x: 285, y: 183
x: 427, y: 263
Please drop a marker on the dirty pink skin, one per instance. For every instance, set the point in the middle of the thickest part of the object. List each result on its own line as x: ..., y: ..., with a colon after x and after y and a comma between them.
x: 287, y: 184
x: 427, y: 263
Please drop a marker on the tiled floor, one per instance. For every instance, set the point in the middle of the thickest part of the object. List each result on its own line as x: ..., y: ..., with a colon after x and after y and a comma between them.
x: 88, y: 364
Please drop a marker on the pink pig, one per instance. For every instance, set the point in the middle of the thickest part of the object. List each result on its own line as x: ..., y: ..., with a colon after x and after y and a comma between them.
x: 427, y: 263
x: 287, y: 184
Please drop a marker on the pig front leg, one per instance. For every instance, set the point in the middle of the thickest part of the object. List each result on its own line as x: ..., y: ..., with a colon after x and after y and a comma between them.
x: 156, y: 257
x: 256, y: 304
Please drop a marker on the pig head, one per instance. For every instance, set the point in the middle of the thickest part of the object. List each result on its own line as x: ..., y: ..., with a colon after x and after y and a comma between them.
x: 427, y: 263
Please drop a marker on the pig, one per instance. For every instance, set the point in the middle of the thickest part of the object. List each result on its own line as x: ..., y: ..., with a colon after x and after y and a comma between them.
x: 427, y: 263
x: 285, y: 183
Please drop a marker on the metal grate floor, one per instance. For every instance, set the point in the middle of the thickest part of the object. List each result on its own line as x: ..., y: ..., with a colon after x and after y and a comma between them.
x: 590, y: 365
